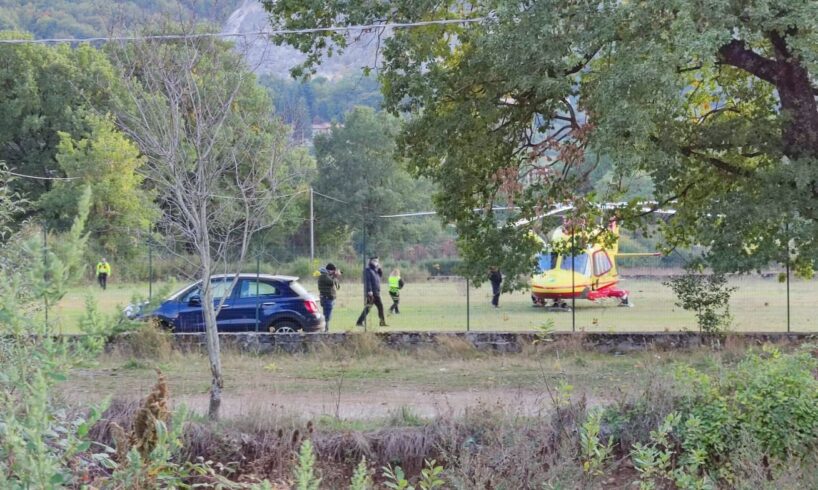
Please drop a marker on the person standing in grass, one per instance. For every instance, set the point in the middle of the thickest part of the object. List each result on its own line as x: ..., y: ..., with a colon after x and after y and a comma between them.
x: 328, y: 287
x: 103, y: 273
x: 372, y: 291
x: 496, y: 279
x: 395, y: 285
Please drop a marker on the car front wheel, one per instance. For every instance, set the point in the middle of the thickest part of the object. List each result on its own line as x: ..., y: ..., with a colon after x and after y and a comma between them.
x: 284, y: 326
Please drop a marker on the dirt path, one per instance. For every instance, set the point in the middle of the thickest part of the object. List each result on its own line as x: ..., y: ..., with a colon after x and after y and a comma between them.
x: 361, y: 406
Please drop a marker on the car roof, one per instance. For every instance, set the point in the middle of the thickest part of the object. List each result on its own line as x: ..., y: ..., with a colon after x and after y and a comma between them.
x: 243, y: 275
x: 253, y: 275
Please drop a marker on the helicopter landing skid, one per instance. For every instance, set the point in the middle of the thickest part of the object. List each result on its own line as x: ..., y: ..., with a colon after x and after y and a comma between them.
x: 558, y: 306
x: 557, y: 309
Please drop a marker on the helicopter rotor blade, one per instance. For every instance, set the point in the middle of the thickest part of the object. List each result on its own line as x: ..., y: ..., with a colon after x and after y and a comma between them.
x: 645, y: 207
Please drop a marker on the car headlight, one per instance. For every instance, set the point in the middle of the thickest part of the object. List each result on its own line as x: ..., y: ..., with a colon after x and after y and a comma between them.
x: 133, y: 311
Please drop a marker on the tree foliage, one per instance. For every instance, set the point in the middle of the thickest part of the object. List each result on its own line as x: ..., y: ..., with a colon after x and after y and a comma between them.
x: 110, y: 164
x: 356, y: 163
x: 48, y: 90
x: 216, y: 155
x: 302, y: 102
x: 714, y: 101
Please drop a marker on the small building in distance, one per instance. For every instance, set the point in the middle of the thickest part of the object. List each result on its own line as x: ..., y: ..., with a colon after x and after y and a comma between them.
x: 320, y: 127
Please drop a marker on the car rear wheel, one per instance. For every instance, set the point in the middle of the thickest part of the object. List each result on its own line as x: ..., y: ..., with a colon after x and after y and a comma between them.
x: 162, y: 325
x: 284, y: 326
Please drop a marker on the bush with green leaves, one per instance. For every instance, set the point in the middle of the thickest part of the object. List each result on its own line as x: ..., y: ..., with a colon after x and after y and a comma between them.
x: 768, y: 401
x: 361, y: 479
x: 40, y: 441
x: 594, y: 453
x: 706, y: 295
x: 305, y: 473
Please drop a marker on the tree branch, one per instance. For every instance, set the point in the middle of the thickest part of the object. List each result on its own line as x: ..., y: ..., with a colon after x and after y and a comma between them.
x: 719, y: 164
x: 736, y: 53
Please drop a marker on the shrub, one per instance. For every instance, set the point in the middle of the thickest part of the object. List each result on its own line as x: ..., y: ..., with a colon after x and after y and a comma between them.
x: 305, y: 477
x: 593, y: 452
x: 708, y: 296
x: 442, y: 267
x: 148, y: 341
x: 361, y: 480
x: 769, y: 402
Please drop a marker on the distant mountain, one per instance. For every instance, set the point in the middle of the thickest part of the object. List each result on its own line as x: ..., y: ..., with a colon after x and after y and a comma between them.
x: 91, y: 18
x: 267, y: 58
x: 88, y: 18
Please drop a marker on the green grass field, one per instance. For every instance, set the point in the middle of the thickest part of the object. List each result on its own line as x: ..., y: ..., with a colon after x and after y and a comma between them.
x: 758, y: 305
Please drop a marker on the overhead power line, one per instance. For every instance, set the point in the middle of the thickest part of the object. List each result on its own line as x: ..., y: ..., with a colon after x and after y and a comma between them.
x: 36, y: 177
x: 432, y: 213
x: 224, y: 35
x: 329, y: 197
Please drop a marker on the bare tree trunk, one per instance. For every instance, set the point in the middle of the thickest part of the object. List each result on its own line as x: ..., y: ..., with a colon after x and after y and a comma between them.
x: 216, y: 163
x: 209, y: 314
x: 213, y: 346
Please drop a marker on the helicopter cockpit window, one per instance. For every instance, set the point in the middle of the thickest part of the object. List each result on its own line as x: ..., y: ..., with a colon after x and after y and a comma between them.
x: 579, y: 263
x: 547, y: 261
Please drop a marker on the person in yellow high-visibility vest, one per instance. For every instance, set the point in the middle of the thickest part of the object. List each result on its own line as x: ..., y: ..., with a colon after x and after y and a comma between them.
x: 395, y: 285
x: 103, y: 272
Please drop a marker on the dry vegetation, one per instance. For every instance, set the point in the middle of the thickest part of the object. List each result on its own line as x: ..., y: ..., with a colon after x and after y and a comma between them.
x: 491, y: 440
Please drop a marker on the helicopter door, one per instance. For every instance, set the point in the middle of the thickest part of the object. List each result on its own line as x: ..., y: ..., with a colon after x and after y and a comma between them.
x: 602, y: 265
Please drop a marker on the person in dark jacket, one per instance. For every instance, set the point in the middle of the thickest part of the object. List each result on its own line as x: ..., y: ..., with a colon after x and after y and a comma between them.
x: 328, y: 287
x: 372, y: 290
x: 495, y: 278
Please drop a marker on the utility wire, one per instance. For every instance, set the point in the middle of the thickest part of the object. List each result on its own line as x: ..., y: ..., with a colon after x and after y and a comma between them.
x: 222, y: 35
x: 36, y: 177
x: 329, y: 197
x: 432, y: 213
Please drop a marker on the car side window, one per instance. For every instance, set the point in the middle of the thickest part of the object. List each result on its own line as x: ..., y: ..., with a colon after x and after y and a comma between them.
x: 250, y: 288
x: 220, y: 287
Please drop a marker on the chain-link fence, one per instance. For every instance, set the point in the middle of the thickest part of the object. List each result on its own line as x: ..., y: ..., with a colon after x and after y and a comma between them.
x: 432, y: 299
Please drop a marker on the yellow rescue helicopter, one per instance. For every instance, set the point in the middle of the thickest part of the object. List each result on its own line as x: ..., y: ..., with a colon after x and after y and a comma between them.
x: 590, y: 273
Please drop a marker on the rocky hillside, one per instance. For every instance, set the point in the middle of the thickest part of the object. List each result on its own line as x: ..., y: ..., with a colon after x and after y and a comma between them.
x: 265, y: 57
x: 89, y: 18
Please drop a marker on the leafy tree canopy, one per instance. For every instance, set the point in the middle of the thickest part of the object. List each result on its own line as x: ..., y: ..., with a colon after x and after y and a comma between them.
x: 714, y: 101
x: 109, y: 163
x: 302, y: 102
x: 48, y: 90
x: 356, y: 163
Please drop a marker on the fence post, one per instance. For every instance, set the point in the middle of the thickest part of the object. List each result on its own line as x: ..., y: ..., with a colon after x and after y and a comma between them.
x: 150, y: 264
x: 787, y: 262
x: 45, y: 274
x: 468, y: 309
x: 363, y: 274
x: 258, y: 271
x: 573, y: 285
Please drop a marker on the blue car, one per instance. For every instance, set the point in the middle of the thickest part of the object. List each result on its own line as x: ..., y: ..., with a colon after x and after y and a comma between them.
x: 265, y: 303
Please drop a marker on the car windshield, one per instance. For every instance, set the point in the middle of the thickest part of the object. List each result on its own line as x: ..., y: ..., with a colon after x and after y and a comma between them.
x: 220, y: 288
x: 547, y: 261
x: 299, y: 289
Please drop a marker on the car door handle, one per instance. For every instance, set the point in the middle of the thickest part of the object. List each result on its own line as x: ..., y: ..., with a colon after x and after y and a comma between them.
x: 268, y: 303
x: 225, y: 306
